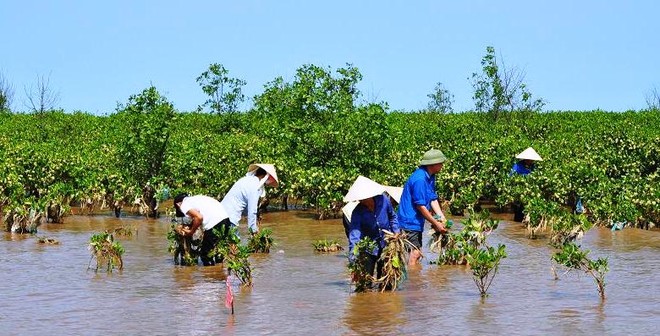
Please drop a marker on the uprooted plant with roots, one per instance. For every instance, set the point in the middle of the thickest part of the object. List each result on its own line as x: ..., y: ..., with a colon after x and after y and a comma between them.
x: 261, y: 241
x: 393, y: 259
x: 184, y: 248
x: 358, y: 267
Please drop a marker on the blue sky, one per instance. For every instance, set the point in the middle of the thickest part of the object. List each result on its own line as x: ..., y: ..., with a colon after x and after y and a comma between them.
x: 577, y: 55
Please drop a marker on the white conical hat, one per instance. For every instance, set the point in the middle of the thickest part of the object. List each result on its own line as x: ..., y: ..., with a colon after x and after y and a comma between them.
x: 529, y: 154
x: 348, y: 209
x: 363, y: 188
x: 269, y: 168
x: 395, y: 192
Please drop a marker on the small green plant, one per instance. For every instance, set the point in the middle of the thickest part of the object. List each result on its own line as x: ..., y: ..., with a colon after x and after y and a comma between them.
x: 454, y: 247
x: 261, y: 241
x: 484, y: 263
x: 325, y: 246
x: 107, y: 252
x: 360, y: 274
x: 575, y: 258
x: 235, y: 256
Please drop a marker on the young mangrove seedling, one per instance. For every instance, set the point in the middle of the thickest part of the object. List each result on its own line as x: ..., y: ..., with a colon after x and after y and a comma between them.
x: 325, y: 246
x: 575, y: 258
x: 185, y: 249
x: 261, y: 241
x: 107, y: 252
x: 484, y: 263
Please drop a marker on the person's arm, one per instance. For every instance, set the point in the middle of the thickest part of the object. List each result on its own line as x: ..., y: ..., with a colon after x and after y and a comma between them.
x: 196, y: 221
x: 252, y: 205
x: 394, y: 222
x: 354, y: 235
x: 435, y: 206
x: 436, y: 225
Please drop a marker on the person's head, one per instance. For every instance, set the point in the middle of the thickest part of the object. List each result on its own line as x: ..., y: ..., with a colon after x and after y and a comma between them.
x: 261, y: 170
x: 433, y: 161
x: 363, y: 191
x: 178, y: 199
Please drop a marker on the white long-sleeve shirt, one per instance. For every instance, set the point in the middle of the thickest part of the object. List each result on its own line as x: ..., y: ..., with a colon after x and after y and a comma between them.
x: 244, y: 194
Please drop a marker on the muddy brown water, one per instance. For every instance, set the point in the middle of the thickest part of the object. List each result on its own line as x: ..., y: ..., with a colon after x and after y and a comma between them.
x: 47, y: 289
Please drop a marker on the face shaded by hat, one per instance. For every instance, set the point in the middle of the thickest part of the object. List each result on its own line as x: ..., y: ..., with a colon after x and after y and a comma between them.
x: 433, y: 156
x: 178, y: 199
x: 270, y: 170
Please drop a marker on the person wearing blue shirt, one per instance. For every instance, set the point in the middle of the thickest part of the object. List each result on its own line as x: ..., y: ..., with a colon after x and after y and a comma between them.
x: 524, y: 166
x: 372, y: 214
x: 419, y: 202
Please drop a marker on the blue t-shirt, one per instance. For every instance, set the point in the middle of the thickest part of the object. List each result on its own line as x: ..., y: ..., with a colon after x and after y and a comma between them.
x: 418, y: 190
x: 365, y: 223
x: 520, y: 169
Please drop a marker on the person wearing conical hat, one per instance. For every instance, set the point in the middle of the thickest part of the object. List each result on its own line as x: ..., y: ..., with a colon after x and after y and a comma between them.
x: 245, y: 193
x: 524, y: 166
x: 372, y: 214
x: 526, y: 161
x: 394, y: 194
x: 419, y: 202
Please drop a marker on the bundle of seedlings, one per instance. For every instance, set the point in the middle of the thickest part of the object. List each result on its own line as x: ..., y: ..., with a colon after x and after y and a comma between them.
x: 107, y: 252
x: 393, y: 259
x: 261, y: 241
x: 361, y: 276
x: 235, y: 256
x: 325, y: 246
x: 439, y: 240
x: 185, y: 249
x: 573, y: 257
x: 484, y: 263
x: 455, y: 246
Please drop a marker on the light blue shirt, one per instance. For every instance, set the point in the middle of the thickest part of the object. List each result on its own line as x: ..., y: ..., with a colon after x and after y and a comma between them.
x: 244, y: 195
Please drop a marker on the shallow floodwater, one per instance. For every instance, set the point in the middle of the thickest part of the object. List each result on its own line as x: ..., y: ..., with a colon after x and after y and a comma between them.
x: 47, y: 289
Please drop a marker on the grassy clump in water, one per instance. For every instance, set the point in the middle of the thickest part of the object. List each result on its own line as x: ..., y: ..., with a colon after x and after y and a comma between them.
x: 325, y: 245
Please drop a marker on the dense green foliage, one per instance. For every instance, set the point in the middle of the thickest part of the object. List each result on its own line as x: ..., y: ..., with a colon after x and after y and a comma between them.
x: 320, y: 139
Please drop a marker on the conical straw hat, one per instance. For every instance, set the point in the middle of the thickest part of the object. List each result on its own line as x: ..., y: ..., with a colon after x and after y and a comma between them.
x: 363, y: 188
x: 348, y: 209
x: 395, y: 192
x: 269, y: 168
x: 529, y: 154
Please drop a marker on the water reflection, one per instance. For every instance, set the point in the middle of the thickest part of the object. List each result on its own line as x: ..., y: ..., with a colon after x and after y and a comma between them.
x: 374, y: 313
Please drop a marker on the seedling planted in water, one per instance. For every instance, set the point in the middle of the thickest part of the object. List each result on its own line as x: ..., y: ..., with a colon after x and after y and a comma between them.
x: 575, y: 258
x: 107, y: 252
x: 484, y: 263
x: 325, y: 246
x: 261, y: 241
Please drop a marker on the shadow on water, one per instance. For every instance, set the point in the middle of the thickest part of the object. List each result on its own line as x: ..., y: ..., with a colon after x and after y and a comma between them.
x: 299, y: 291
